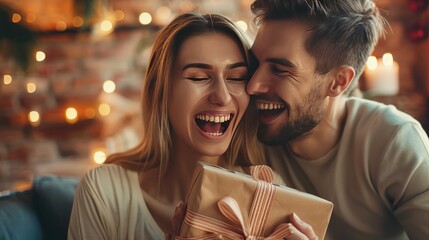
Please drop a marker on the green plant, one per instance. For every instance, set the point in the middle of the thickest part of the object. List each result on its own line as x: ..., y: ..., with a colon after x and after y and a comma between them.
x: 17, y: 41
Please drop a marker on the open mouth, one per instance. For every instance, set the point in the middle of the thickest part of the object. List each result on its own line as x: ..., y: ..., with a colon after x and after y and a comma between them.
x: 270, y: 110
x: 214, y: 125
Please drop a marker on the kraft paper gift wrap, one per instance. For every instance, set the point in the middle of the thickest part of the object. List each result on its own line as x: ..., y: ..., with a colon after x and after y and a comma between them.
x: 231, y: 205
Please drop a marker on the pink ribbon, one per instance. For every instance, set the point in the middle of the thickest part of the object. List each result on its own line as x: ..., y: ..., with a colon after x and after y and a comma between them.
x: 240, y: 229
x: 262, y: 172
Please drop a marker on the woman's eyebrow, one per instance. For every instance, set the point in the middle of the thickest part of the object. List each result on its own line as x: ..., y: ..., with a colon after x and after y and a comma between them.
x: 197, y: 65
x: 208, y: 66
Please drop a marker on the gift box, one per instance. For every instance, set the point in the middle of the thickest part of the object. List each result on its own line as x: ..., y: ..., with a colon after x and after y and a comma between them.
x: 225, y: 204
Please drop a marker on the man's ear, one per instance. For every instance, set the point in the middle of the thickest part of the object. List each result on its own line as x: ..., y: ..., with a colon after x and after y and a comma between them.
x: 341, y: 80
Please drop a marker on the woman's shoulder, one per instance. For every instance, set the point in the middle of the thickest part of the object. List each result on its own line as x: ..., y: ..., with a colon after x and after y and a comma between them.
x: 106, y: 172
x: 109, y: 178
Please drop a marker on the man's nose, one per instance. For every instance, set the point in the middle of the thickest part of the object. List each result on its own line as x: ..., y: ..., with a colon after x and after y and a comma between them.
x: 258, y: 83
x: 220, y: 94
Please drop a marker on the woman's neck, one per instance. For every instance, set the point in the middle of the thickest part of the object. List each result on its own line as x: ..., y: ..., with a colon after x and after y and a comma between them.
x: 178, y: 176
x: 162, y: 193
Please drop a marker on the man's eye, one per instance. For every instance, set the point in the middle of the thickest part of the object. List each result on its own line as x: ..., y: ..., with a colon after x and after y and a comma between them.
x: 278, y: 70
x: 198, y: 78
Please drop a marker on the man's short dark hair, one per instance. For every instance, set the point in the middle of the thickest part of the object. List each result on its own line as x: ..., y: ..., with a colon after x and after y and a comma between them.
x: 340, y: 32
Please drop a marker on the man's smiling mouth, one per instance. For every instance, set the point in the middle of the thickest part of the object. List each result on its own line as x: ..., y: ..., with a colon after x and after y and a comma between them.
x: 270, y: 110
x: 214, y: 124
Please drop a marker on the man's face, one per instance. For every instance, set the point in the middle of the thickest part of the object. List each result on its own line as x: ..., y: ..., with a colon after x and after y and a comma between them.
x: 289, y: 94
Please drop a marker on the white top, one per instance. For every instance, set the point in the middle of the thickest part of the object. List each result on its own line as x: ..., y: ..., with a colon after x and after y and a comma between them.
x: 377, y: 175
x: 109, y: 204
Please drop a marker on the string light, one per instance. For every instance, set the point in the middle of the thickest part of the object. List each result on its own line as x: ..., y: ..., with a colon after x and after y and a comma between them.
x: 145, y: 18
x: 89, y: 113
x: 61, y: 26
x: 31, y: 18
x: 163, y: 14
x: 34, y: 118
x: 16, y: 18
x: 71, y: 115
x: 7, y: 79
x: 109, y: 86
x: 106, y: 26
x: 77, y: 21
x: 119, y: 15
x: 104, y: 109
x: 99, y: 156
x: 40, y: 56
x: 31, y: 87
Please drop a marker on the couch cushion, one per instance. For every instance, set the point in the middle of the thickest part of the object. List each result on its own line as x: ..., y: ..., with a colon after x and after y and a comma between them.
x: 53, y: 199
x: 18, y: 220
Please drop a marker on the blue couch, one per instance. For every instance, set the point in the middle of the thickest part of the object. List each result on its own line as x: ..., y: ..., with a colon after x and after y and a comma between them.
x: 43, y: 212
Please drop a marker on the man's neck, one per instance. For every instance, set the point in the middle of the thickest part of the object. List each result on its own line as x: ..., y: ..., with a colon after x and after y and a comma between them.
x: 321, y: 139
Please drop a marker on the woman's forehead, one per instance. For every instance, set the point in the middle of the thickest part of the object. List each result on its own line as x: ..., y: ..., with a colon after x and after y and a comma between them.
x: 209, y: 47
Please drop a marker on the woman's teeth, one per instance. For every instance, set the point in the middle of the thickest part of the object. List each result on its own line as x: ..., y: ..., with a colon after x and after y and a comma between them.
x: 213, y: 125
x: 214, y: 118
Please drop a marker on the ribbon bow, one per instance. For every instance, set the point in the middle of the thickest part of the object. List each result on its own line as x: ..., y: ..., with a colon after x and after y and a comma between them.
x: 240, y: 229
x: 262, y: 172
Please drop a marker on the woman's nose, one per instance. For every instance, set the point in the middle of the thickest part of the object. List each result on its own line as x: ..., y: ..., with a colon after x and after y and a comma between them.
x: 220, y: 94
x: 258, y: 83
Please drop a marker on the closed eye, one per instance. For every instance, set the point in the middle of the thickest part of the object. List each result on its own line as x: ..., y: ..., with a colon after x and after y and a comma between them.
x: 238, y: 79
x: 197, y: 79
x: 279, y: 70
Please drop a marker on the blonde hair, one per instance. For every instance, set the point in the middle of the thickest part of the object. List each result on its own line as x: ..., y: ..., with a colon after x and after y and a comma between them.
x: 155, y: 148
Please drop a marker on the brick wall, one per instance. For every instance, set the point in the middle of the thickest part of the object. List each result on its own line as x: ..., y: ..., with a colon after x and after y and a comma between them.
x: 72, y: 75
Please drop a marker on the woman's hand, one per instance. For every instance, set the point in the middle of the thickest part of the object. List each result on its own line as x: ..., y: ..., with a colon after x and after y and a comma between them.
x: 300, y: 230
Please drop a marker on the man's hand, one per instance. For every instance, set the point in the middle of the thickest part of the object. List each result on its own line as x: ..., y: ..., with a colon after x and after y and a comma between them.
x: 300, y: 230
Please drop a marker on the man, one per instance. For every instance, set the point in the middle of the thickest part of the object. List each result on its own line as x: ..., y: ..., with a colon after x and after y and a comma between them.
x: 369, y: 159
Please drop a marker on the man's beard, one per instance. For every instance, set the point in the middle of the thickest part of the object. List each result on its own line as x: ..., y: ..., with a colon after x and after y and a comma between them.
x: 303, y: 119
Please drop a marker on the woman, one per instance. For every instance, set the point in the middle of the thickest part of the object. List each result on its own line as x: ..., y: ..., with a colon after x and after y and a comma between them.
x: 194, y: 109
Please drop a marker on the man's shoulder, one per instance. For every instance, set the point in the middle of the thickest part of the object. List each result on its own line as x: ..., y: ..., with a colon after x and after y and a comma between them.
x: 378, y: 126
x: 368, y: 113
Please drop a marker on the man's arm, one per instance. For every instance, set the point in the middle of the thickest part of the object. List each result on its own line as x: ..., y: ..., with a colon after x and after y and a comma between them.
x: 403, y: 179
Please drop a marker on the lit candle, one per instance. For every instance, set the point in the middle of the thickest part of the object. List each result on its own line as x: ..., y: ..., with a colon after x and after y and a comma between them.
x: 382, y: 76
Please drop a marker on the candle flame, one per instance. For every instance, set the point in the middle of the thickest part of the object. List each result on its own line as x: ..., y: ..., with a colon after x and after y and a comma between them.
x: 372, y: 63
x: 388, y: 59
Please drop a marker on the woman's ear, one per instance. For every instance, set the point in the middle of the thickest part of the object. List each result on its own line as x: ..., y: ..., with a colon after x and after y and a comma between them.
x: 341, y: 80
